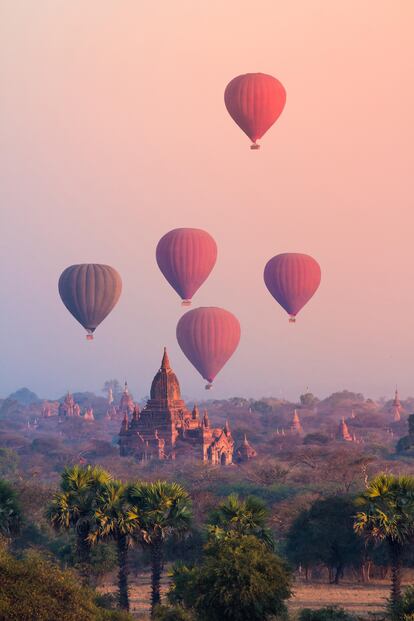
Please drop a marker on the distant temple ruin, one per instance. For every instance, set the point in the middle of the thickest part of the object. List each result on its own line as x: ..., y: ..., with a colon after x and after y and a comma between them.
x: 70, y: 409
x: 296, y: 426
x: 245, y: 452
x: 166, y: 429
x: 396, y: 408
x: 343, y: 434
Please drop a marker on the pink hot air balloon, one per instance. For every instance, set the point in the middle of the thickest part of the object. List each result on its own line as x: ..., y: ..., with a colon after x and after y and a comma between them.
x: 186, y: 257
x: 90, y: 291
x: 255, y: 101
x: 292, y: 278
x: 208, y: 337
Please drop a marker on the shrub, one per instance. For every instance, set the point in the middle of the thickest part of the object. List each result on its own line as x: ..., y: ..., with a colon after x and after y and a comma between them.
x: 34, y: 589
x: 329, y: 613
x: 172, y: 613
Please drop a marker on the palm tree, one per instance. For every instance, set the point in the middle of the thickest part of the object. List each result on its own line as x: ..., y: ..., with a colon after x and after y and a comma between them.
x: 236, y: 517
x: 165, y: 511
x: 388, y: 515
x: 116, y: 519
x: 74, y: 504
x: 10, y: 512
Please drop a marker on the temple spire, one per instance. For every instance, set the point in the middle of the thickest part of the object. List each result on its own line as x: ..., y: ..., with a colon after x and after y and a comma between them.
x: 296, y: 426
x: 165, y: 363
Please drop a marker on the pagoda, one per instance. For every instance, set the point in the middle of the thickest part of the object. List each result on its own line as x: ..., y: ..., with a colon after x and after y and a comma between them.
x: 396, y: 407
x: 167, y: 429
x: 296, y: 426
x: 343, y: 434
x: 69, y: 408
x: 245, y: 452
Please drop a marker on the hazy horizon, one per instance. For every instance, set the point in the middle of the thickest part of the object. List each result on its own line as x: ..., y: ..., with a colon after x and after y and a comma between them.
x: 114, y: 131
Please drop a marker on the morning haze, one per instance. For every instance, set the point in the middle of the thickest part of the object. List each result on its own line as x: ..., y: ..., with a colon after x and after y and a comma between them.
x: 113, y: 131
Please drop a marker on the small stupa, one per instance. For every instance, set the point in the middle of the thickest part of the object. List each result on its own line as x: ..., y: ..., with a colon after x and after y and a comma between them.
x: 296, y: 426
x: 343, y: 434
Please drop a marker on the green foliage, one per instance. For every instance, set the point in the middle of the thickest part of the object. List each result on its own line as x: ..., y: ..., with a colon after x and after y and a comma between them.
x: 165, y: 512
x: 115, y: 519
x: 269, y: 493
x: 387, y: 509
x: 387, y: 515
x: 324, y: 534
x: 329, y: 613
x: 238, y: 517
x: 238, y: 579
x: 10, y: 511
x: 172, y: 613
x: 9, y: 462
x: 35, y: 590
x: 407, y: 601
x: 73, y: 506
x: 405, y: 444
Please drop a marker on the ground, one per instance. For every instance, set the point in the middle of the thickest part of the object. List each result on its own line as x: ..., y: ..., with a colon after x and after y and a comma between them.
x: 356, y: 598
x: 365, y: 600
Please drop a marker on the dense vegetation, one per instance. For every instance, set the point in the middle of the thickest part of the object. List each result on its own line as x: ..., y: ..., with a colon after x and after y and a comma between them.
x: 308, y: 508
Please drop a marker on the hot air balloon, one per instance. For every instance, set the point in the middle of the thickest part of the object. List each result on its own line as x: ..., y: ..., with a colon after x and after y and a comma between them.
x: 255, y: 101
x: 90, y: 291
x: 292, y: 278
x: 186, y: 257
x: 208, y: 336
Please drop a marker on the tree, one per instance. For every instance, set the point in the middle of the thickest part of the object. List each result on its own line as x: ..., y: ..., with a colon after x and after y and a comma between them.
x: 241, y: 517
x: 172, y: 613
x: 9, y: 462
x: 115, y: 386
x: 74, y: 504
x: 238, y: 579
x: 308, y: 400
x: 10, y: 512
x: 35, y: 589
x: 324, y: 534
x: 387, y: 514
x: 165, y: 511
x: 329, y: 613
x: 116, y: 519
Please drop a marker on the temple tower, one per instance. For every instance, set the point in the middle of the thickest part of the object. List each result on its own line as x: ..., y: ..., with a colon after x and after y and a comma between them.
x: 245, y: 452
x: 396, y: 407
x: 343, y: 434
x: 296, y: 426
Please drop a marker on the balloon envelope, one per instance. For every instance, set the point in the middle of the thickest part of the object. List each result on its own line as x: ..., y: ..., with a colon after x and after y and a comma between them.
x: 292, y: 279
x: 208, y: 336
x: 255, y: 101
x: 90, y: 291
x: 186, y: 257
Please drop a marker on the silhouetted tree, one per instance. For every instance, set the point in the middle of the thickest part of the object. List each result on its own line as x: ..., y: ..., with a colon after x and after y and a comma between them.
x: 387, y: 514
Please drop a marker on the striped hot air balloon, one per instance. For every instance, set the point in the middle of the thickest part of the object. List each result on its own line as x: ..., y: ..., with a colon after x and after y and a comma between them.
x: 90, y: 291
x: 186, y: 257
x: 208, y: 336
x: 292, y: 279
x: 255, y: 101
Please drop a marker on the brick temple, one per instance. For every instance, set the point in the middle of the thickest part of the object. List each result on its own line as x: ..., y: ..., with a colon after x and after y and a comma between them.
x: 167, y: 429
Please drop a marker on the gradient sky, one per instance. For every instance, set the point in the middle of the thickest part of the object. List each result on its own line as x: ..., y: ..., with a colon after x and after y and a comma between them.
x: 113, y: 130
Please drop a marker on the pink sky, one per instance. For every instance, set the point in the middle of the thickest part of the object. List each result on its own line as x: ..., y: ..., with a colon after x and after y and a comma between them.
x: 113, y: 130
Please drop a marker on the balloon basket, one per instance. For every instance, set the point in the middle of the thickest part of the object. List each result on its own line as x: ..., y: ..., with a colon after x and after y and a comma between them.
x: 255, y: 147
x: 208, y: 386
x: 89, y: 337
x: 292, y: 319
x: 186, y: 303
